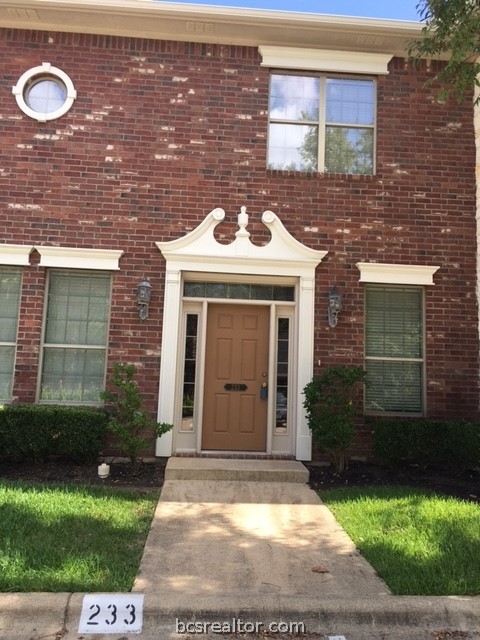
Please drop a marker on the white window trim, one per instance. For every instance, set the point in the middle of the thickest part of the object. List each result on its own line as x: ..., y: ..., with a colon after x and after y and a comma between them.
x: 15, y: 254
x: 75, y: 258
x: 413, y: 274
x: 325, y: 60
x: 45, y: 69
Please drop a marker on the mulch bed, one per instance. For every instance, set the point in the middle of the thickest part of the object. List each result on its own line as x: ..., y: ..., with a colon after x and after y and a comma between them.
x: 460, y: 483
x: 121, y: 475
x: 463, y: 484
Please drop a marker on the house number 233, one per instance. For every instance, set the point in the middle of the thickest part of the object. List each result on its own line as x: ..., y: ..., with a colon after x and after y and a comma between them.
x: 112, y: 613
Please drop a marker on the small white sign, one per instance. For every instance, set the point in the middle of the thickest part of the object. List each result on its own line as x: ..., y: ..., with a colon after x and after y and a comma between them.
x: 112, y: 613
x: 336, y: 638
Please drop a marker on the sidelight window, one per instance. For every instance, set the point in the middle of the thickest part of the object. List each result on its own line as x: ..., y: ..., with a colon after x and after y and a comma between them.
x: 189, y: 371
x: 282, y: 382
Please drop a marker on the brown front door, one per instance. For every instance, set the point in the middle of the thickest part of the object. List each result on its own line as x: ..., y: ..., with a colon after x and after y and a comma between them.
x: 236, y: 361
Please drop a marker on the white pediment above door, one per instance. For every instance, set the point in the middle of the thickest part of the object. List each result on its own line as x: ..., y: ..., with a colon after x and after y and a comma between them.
x: 280, y: 252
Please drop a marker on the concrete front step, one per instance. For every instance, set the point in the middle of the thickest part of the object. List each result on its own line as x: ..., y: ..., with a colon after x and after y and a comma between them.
x: 235, y: 469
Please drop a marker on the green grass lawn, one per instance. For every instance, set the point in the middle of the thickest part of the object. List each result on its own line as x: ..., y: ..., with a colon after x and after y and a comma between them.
x: 418, y: 542
x: 70, y: 538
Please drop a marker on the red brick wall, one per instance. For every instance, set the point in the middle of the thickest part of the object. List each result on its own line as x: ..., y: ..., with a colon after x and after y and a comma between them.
x: 163, y: 132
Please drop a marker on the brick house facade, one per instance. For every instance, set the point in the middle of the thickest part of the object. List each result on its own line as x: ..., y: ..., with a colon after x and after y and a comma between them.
x: 164, y: 131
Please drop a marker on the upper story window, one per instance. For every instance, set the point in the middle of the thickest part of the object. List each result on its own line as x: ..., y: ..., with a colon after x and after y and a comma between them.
x: 44, y: 93
x: 321, y: 123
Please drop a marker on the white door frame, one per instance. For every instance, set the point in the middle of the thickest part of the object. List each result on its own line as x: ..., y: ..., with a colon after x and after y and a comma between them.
x: 198, y: 251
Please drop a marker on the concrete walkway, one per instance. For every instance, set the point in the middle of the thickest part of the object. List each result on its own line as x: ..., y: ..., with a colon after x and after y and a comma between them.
x: 238, y: 538
x: 248, y: 540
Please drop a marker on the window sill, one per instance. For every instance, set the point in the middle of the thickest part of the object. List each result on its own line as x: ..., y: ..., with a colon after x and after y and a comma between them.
x: 393, y: 414
x: 316, y: 175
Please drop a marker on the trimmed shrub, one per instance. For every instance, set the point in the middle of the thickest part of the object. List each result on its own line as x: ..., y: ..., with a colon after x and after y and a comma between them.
x: 128, y: 419
x: 38, y: 432
x: 426, y: 441
x: 331, y: 409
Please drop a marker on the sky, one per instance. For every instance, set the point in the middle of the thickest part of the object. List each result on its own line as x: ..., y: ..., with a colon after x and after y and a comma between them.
x: 389, y: 9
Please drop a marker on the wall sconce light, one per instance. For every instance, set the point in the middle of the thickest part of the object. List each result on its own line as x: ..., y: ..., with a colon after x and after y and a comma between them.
x: 334, y: 306
x: 144, y: 292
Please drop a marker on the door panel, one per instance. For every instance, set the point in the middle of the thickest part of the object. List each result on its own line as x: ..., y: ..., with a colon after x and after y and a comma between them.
x: 249, y: 359
x: 236, y: 361
x: 246, y: 420
x: 222, y: 412
x: 223, y: 368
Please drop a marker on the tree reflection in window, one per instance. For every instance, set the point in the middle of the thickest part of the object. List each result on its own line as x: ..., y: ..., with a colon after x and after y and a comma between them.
x: 189, y: 372
x: 281, y: 412
x: 321, y: 124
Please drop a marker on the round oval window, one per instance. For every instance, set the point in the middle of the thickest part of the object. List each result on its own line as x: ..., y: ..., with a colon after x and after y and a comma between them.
x: 44, y: 93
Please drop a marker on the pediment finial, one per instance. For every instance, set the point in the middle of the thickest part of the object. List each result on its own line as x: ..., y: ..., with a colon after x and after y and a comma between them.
x: 242, y: 224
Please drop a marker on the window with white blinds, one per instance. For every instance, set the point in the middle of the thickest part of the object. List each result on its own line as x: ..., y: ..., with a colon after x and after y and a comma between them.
x: 394, y: 349
x: 10, y: 289
x: 75, y: 338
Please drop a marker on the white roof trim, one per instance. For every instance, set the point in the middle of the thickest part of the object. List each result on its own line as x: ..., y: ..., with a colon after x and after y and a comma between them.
x: 74, y: 258
x: 210, y: 24
x: 325, y: 60
x: 15, y: 254
x: 396, y: 273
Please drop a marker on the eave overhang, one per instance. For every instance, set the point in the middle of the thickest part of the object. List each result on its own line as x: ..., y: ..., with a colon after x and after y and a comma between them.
x: 210, y: 24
